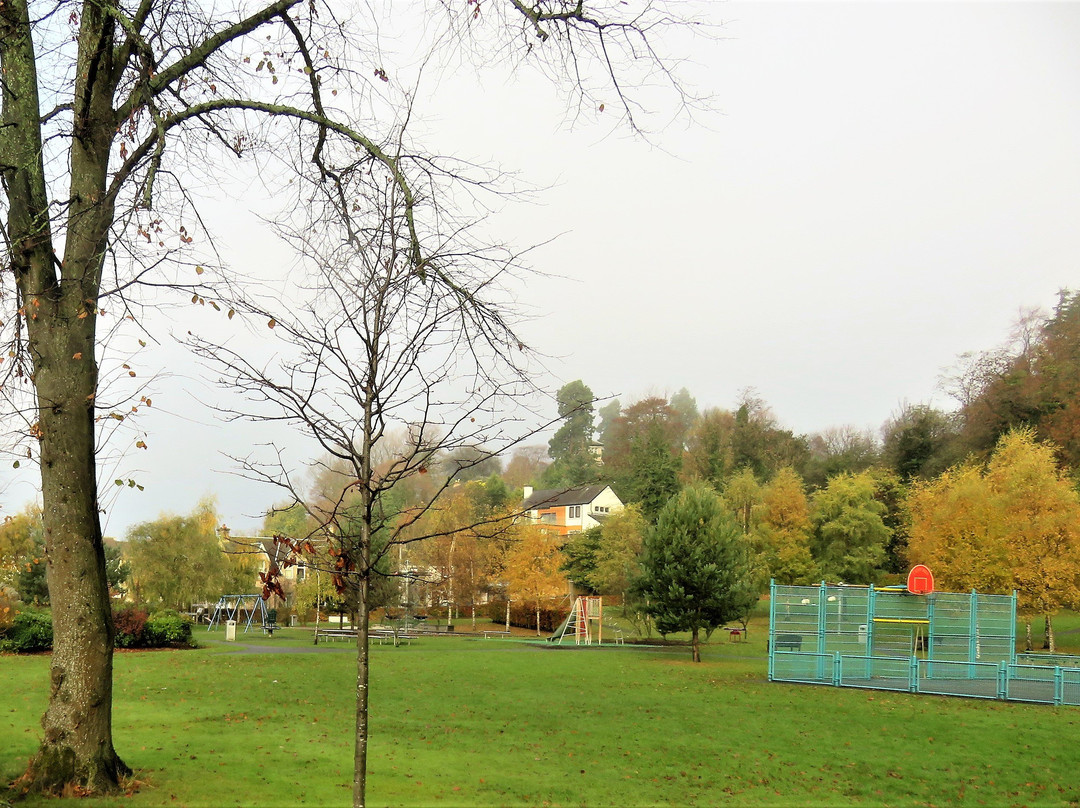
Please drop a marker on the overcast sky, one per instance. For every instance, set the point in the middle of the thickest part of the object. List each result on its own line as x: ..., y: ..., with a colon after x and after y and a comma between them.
x: 882, y: 187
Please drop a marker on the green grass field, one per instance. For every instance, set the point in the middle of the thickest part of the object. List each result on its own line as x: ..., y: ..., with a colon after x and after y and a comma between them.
x: 467, y: 721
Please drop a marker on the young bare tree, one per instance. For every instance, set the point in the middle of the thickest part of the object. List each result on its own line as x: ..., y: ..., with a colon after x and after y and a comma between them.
x: 377, y: 345
x: 110, y: 112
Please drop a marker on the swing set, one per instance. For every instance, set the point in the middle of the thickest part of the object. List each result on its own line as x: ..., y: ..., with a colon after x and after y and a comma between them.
x: 230, y: 607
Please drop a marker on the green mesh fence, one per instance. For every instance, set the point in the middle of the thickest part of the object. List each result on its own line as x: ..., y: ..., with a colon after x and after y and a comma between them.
x: 947, y: 643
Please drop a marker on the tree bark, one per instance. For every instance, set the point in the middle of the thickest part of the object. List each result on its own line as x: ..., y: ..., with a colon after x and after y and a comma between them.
x: 695, y: 645
x: 1027, y: 633
x: 60, y: 317
x: 362, y: 659
x: 77, y: 745
x: 1048, y: 640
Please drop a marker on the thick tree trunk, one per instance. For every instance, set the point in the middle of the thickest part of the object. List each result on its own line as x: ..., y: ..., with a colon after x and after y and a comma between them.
x: 695, y: 645
x: 1048, y: 639
x: 60, y: 316
x: 77, y: 745
x: 1027, y: 633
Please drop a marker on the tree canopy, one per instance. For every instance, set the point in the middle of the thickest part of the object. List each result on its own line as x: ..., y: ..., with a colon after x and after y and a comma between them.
x: 1011, y: 523
x: 178, y: 560
x: 850, y: 534
x: 696, y: 571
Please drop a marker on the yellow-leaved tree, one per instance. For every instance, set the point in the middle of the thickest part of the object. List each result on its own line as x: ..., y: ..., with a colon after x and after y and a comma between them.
x: 532, y: 568
x: 1040, y: 513
x: 955, y: 530
x: 783, y: 530
x: 1011, y: 524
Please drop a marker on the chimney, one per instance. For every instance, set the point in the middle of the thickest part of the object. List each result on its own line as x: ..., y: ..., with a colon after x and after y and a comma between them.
x: 527, y: 492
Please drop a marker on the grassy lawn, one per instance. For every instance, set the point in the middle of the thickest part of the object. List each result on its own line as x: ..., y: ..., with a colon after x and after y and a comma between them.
x: 467, y: 721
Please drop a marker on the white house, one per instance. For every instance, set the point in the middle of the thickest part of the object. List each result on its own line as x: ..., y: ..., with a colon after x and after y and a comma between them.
x: 566, y: 511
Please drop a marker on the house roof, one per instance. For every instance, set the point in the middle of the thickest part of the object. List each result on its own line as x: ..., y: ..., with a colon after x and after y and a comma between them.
x: 273, y: 550
x: 557, y: 497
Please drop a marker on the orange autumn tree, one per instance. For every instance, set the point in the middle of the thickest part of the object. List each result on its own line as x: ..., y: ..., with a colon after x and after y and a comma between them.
x: 1011, y: 524
x: 533, y: 568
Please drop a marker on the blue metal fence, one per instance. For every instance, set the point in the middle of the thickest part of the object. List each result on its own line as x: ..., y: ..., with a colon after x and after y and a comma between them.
x: 885, y: 639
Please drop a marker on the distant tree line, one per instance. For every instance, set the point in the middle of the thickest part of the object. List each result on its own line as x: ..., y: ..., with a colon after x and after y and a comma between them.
x: 985, y: 493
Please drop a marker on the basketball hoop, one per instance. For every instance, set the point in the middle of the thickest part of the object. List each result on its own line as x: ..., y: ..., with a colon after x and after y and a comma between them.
x: 920, y: 580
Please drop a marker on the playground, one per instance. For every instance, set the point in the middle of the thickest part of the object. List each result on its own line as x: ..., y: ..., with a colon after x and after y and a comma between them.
x: 911, y: 639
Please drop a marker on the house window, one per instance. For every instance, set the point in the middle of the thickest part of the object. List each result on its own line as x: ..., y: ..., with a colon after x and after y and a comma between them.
x: 574, y: 512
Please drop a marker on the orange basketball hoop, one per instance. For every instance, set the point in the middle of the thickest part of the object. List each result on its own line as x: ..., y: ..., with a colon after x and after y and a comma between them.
x: 920, y: 580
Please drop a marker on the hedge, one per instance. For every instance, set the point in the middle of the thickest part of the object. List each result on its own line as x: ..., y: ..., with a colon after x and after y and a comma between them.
x: 31, y: 630
x: 522, y: 616
x: 137, y: 629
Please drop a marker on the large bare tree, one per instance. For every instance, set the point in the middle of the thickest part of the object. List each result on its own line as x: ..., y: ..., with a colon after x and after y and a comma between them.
x: 111, y: 110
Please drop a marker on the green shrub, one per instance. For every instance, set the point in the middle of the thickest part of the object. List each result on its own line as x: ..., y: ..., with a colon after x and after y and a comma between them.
x: 130, y: 622
x: 168, y: 630
x: 30, y: 631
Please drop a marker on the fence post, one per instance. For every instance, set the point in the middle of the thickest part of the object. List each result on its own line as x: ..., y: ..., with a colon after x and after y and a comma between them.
x: 823, y: 594
x: 837, y: 677
x: 1003, y: 680
x: 1059, y: 685
x: 822, y: 590
x: 869, y: 650
x: 1012, y: 630
x: 772, y: 625
x: 973, y: 632
x: 913, y: 675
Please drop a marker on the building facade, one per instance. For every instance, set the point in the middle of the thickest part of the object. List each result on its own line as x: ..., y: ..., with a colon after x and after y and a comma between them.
x: 568, y: 511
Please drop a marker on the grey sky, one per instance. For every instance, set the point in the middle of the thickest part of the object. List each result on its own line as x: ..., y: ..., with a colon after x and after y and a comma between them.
x: 883, y: 186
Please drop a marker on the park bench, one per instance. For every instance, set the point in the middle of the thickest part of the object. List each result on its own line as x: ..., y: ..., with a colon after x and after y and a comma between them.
x: 499, y: 633
x: 384, y: 634
x: 789, y: 642
x: 337, y: 633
